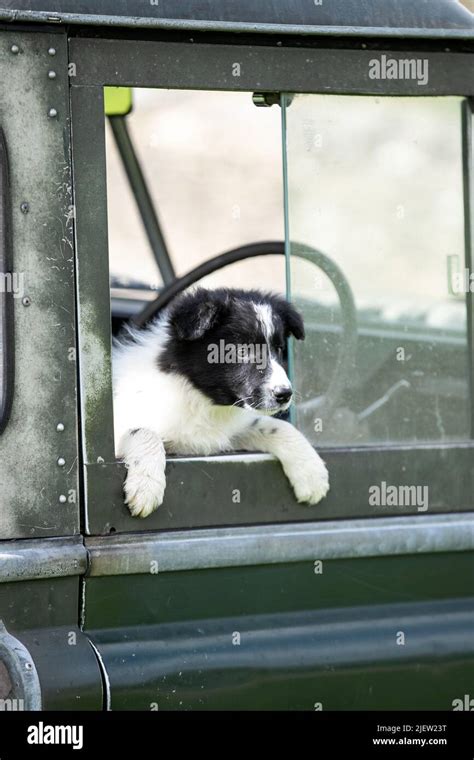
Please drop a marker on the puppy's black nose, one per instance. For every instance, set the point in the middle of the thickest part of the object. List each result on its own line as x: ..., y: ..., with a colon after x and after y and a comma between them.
x: 282, y: 393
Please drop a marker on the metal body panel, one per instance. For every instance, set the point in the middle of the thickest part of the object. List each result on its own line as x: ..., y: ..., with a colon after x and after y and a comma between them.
x: 39, y: 491
x: 237, y: 547
x: 48, y: 558
x: 92, y: 268
x: 288, y: 636
x: 251, y: 489
x: 68, y: 669
x: 335, y: 660
x: 153, y: 598
x: 43, y: 615
x: 31, y: 480
x: 261, y: 68
x: 425, y: 17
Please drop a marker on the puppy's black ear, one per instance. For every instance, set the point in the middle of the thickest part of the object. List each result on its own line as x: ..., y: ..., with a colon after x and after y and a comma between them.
x: 292, y: 320
x: 193, y: 315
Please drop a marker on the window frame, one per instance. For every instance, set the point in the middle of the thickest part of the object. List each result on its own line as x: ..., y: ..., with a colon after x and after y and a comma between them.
x: 266, y: 496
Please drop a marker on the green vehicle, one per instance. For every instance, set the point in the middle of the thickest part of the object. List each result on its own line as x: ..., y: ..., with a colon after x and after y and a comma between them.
x: 232, y: 596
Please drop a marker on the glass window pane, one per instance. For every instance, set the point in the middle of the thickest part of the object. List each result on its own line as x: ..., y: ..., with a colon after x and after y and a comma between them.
x: 376, y: 185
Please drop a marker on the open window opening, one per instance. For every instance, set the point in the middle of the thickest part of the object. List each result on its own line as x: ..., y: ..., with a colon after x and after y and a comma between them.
x: 190, y: 175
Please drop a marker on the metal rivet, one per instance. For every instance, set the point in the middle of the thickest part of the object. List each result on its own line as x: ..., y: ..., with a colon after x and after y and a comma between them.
x: 61, y: 461
x: 52, y: 74
x: 28, y: 666
x: 24, y: 207
x: 62, y: 499
x: 52, y: 113
x: 52, y: 51
x: 60, y: 427
x: 15, y: 49
x: 26, y: 301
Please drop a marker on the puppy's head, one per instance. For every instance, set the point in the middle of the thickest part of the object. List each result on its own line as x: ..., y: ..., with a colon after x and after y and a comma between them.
x: 231, y: 345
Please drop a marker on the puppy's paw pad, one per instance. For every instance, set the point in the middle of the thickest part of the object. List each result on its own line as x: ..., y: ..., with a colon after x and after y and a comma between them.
x: 143, y: 492
x: 311, y: 484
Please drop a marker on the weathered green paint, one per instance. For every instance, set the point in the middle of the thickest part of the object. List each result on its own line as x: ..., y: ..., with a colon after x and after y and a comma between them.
x: 171, y: 551
x: 329, y: 661
x: 45, y: 379
x: 263, y: 68
x: 252, y: 489
x: 309, y: 633
x: 43, y: 614
x: 305, y: 637
x: 42, y: 558
x: 436, y: 18
x: 156, y: 598
x: 92, y: 267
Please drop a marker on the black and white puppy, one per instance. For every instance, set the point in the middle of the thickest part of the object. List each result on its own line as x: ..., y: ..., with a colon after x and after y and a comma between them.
x: 203, y: 378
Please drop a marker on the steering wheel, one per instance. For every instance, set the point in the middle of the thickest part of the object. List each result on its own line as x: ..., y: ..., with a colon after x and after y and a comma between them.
x: 323, y: 405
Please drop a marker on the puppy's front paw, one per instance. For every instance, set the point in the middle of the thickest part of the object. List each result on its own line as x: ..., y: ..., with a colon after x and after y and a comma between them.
x: 144, y: 490
x: 309, y: 478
